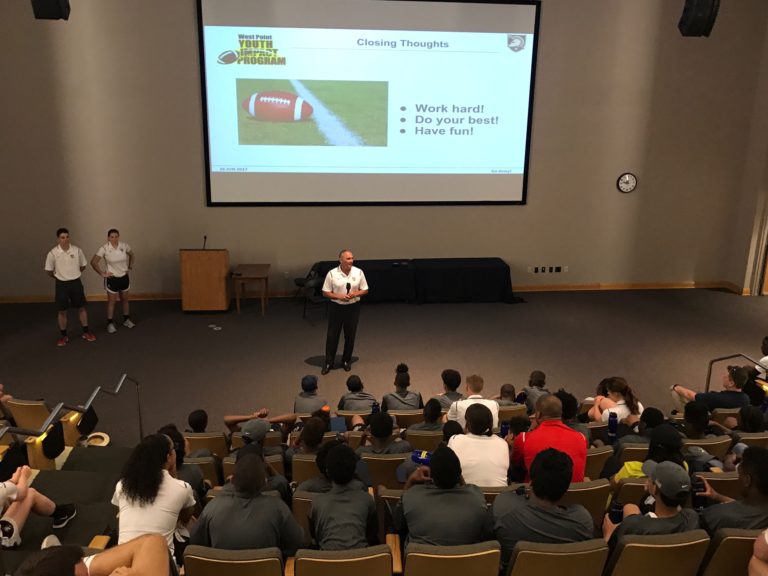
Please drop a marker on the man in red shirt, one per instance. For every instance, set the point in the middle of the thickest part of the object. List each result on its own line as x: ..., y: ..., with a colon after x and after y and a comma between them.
x: 549, y: 431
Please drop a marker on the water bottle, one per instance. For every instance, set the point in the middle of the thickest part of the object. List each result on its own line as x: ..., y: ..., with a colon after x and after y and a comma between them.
x: 504, y: 429
x: 698, y: 501
x: 613, y: 426
x: 421, y: 457
x: 375, y: 408
x: 520, y: 398
x: 616, y: 512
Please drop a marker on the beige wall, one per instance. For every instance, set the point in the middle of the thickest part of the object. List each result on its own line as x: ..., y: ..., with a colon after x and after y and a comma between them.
x: 101, y: 127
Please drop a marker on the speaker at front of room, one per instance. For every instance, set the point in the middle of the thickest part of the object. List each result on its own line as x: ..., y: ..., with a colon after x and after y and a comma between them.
x: 51, y: 9
x: 698, y: 17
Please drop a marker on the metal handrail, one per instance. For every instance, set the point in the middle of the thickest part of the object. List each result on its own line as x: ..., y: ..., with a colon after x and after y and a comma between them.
x: 711, y: 362
x: 15, y: 430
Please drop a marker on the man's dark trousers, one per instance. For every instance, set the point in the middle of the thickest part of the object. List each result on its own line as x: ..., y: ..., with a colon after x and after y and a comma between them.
x: 341, y: 316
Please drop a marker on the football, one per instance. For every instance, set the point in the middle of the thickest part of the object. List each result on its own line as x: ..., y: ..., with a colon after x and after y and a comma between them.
x: 277, y: 106
x: 228, y: 57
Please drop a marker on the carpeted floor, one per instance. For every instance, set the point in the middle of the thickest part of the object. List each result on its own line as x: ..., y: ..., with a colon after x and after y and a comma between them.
x: 653, y: 338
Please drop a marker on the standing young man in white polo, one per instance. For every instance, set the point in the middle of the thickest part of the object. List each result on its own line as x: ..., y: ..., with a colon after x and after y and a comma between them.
x: 65, y: 263
x: 344, y: 285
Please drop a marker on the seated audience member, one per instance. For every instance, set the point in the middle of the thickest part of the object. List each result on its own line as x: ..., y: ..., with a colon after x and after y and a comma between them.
x: 189, y: 473
x: 433, y: 417
x: 474, y: 389
x: 762, y: 364
x: 445, y: 512
x: 751, y: 512
x: 731, y: 396
x: 670, y: 486
x: 308, y: 400
x: 536, y: 516
x: 382, y: 441
x: 241, y: 517
x: 402, y: 398
x: 625, y: 404
x: 696, y: 421
x: 198, y: 421
x: 18, y: 501
x: 356, y: 398
x: 639, y: 434
x: 451, y: 429
x: 536, y: 388
x: 665, y: 444
x: 309, y: 441
x: 344, y: 517
x: 143, y: 556
x: 570, y: 410
x: 507, y: 396
x: 549, y: 432
x: 451, y: 382
x: 755, y: 393
x: 751, y: 419
x: 758, y: 565
x: 484, y: 456
x: 321, y: 482
x: 150, y: 500
x: 254, y: 424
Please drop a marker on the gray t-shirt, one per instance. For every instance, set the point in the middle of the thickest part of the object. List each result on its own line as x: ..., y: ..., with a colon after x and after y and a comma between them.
x: 444, y: 517
x: 736, y: 514
x: 236, y: 521
x: 448, y: 398
x: 532, y: 395
x: 397, y: 401
x: 686, y: 520
x: 394, y: 447
x: 518, y: 518
x: 356, y: 401
x: 323, y: 484
x: 308, y: 402
x: 427, y: 426
x: 344, y: 518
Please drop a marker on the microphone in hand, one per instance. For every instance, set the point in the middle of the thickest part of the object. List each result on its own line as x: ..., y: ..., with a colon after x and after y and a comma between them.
x: 349, y: 286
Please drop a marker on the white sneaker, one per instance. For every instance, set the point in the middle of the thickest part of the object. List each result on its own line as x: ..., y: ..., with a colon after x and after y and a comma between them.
x: 9, y: 533
x: 50, y: 541
x: 128, y: 324
x: 111, y: 327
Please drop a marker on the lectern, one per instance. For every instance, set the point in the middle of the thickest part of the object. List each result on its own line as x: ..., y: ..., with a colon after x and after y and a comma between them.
x: 204, y: 276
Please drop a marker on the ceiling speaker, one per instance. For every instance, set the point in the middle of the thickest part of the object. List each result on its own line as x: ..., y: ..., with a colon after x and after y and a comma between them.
x: 51, y: 9
x: 698, y: 17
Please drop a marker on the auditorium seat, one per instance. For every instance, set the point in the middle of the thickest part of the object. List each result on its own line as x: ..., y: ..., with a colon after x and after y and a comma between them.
x: 371, y: 561
x: 718, y: 446
x: 506, y: 413
x: 349, y: 414
x: 304, y: 467
x: 405, y: 418
x: 207, y: 465
x: 424, y: 439
x: 302, y: 507
x: 582, y: 558
x: 596, y: 459
x: 630, y: 490
x: 490, y: 492
x: 228, y: 466
x: 277, y: 463
x: 205, y: 561
x: 480, y: 559
x: 593, y: 495
x: 679, y: 554
x: 729, y: 552
x: 759, y: 439
x: 726, y: 483
x: 599, y: 431
x: 272, y: 439
x: 633, y: 452
x: 720, y: 415
x: 382, y: 469
x: 28, y: 413
x: 215, y: 442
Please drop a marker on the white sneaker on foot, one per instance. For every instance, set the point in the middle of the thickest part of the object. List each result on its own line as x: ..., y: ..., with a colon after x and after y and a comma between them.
x: 111, y: 327
x: 50, y: 541
x: 128, y: 324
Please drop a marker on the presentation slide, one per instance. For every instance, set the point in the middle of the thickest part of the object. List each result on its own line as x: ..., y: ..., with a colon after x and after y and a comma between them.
x: 361, y: 115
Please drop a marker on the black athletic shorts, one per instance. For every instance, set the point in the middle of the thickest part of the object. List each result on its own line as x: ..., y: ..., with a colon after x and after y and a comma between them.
x: 69, y: 292
x: 115, y: 284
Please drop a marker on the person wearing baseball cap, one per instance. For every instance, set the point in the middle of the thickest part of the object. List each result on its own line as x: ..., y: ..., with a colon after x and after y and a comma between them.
x: 308, y: 399
x: 670, y: 486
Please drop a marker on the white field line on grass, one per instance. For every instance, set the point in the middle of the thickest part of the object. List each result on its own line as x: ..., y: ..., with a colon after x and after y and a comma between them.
x: 331, y: 127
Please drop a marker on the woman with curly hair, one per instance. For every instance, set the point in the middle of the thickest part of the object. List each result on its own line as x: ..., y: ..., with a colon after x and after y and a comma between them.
x: 402, y: 398
x: 150, y: 499
x: 619, y: 399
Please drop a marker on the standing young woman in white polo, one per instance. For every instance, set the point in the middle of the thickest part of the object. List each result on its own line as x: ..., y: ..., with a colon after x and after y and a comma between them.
x: 118, y: 257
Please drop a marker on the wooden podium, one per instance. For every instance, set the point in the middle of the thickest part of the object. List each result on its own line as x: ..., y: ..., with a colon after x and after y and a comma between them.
x: 204, y: 275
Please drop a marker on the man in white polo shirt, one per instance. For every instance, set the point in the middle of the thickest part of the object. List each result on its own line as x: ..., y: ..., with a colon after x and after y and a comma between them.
x: 65, y: 263
x: 474, y: 388
x: 344, y: 285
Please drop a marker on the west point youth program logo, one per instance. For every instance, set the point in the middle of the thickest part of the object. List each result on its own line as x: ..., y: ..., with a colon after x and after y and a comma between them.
x: 253, y: 49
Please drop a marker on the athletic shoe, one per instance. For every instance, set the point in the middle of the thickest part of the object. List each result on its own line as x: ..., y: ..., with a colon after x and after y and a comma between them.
x: 89, y: 337
x: 111, y: 328
x: 50, y: 541
x: 63, y: 341
x: 63, y: 514
x: 9, y: 534
x: 128, y: 324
